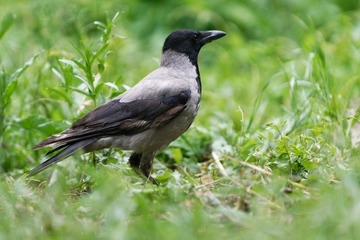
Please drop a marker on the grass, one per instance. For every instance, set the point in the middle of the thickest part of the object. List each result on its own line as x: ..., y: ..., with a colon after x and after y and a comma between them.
x: 273, y: 153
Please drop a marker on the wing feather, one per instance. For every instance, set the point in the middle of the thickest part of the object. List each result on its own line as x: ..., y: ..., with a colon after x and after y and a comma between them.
x: 117, y: 118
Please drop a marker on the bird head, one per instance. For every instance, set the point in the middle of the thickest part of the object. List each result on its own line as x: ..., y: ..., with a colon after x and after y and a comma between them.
x: 189, y: 42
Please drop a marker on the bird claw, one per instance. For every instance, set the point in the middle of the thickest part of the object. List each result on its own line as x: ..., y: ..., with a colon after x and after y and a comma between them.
x: 153, y: 181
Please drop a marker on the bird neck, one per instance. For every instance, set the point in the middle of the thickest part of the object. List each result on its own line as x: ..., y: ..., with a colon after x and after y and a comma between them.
x: 173, y: 58
x: 181, y: 62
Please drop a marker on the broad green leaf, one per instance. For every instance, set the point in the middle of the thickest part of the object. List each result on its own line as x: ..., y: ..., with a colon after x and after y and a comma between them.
x: 97, y: 54
x: 69, y: 62
x: 8, y: 91
x: 112, y: 85
x: 177, y: 155
x: 100, y: 25
x: 6, y: 23
x: 13, y: 79
x: 101, y: 67
x: 98, y: 88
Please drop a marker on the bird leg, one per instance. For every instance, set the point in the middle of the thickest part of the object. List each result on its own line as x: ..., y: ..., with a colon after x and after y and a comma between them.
x: 135, y: 160
x: 143, y: 165
x: 146, y: 167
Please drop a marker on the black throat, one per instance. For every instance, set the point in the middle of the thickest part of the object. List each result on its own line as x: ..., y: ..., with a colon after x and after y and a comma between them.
x: 198, y: 80
x: 193, y: 57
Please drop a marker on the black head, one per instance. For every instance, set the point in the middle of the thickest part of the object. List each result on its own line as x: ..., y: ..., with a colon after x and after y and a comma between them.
x: 190, y: 42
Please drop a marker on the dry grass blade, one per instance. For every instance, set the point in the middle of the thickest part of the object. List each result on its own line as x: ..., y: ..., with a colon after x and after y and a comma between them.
x: 259, y: 169
x: 219, y: 165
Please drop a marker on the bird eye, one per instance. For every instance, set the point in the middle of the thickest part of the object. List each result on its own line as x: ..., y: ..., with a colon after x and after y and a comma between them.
x: 196, y: 35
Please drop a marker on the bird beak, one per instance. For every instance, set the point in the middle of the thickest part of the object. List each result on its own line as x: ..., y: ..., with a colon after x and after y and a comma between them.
x: 209, y: 36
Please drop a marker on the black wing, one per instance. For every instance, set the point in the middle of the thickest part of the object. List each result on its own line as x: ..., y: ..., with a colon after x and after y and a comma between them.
x: 118, y: 118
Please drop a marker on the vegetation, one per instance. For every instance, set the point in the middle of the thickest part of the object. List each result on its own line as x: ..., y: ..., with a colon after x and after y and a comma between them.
x: 273, y: 153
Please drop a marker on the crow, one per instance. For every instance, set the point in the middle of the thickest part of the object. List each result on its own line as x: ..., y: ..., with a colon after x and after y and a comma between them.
x: 147, y: 117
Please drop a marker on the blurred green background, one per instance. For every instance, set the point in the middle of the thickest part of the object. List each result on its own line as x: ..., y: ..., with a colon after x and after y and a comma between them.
x: 280, y: 92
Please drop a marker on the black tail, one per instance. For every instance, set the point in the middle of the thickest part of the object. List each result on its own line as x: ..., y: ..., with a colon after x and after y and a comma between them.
x: 71, y: 149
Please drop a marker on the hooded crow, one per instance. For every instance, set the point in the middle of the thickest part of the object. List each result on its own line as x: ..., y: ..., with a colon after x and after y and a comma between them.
x: 147, y: 117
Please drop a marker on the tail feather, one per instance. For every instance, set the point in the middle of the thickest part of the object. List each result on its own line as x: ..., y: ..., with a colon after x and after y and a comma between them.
x: 71, y: 149
x: 65, y: 138
x: 55, y: 149
x: 53, y: 141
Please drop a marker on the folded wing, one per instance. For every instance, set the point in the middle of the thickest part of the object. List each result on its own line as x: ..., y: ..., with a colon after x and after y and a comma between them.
x: 120, y: 118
